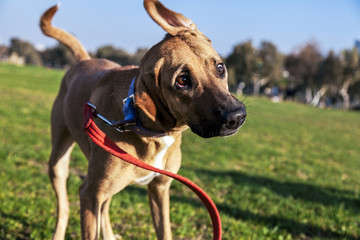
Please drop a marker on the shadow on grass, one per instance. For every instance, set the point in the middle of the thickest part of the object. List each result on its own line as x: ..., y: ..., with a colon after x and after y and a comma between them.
x: 25, y: 231
x: 306, y: 192
x: 326, y: 196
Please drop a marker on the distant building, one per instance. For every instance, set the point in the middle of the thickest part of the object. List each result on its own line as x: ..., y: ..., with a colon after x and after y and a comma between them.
x: 357, y: 44
x: 16, y: 59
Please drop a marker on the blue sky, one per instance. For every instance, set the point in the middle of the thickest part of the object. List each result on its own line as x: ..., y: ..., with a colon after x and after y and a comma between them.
x: 334, y: 24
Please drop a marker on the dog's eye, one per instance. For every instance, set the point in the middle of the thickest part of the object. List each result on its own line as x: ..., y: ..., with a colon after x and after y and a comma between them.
x: 221, y: 69
x: 182, y: 81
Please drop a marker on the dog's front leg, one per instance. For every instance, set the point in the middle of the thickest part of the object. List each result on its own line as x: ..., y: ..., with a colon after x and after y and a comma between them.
x: 159, y: 199
x: 90, y: 213
x: 106, y: 228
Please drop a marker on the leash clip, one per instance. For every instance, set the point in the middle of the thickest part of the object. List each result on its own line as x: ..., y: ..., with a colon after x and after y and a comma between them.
x: 120, y: 126
x: 93, y: 109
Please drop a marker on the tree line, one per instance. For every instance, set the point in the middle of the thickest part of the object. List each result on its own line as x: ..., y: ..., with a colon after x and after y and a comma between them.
x: 61, y: 57
x: 303, y: 75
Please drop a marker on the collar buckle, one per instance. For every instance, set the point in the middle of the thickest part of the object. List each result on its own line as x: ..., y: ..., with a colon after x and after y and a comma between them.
x: 130, y: 97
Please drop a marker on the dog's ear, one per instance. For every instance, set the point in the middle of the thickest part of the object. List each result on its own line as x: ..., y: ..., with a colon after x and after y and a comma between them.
x: 172, y: 22
x: 145, y: 102
x: 149, y: 99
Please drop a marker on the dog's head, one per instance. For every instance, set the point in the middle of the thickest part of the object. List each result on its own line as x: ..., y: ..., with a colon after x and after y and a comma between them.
x: 183, y: 81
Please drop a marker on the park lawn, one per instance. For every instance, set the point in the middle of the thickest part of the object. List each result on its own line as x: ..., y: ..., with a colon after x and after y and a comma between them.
x: 292, y: 172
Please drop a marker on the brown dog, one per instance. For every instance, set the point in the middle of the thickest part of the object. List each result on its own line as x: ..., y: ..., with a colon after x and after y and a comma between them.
x: 180, y: 82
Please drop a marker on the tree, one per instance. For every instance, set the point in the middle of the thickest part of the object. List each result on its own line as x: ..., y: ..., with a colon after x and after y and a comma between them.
x: 254, y: 67
x: 139, y: 54
x: 354, y: 92
x: 269, y: 66
x: 329, y: 73
x: 117, y: 55
x: 4, y: 52
x: 303, y: 67
x: 351, y: 74
x: 26, y: 50
x: 242, y: 64
x: 59, y: 56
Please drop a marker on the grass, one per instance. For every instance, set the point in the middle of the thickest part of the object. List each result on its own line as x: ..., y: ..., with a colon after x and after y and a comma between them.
x: 292, y: 172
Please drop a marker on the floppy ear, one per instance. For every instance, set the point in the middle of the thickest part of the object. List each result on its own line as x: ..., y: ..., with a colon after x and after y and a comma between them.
x: 149, y: 99
x: 145, y: 102
x: 172, y: 22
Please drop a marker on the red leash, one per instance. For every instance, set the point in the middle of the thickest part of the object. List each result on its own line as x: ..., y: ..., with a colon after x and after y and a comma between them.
x: 104, y: 142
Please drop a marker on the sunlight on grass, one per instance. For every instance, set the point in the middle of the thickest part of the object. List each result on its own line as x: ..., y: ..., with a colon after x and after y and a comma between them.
x: 292, y: 172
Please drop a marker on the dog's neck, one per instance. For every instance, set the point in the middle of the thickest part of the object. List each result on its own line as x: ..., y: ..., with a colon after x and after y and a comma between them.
x: 147, y: 123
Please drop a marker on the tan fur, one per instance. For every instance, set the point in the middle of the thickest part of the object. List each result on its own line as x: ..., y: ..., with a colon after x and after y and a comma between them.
x: 62, y: 36
x: 206, y: 106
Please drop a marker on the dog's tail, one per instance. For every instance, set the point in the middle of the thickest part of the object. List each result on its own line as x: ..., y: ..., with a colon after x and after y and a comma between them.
x: 62, y: 36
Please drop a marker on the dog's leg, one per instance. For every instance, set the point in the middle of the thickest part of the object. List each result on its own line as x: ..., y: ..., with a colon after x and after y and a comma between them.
x: 159, y: 199
x: 105, y: 221
x: 62, y: 145
x: 59, y: 172
x: 90, y: 211
x: 95, y: 196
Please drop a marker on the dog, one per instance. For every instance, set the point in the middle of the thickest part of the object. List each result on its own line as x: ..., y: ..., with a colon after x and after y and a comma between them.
x: 181, y: 83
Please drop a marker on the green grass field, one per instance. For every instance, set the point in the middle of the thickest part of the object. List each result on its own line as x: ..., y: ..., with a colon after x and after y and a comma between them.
x: 292, y: 172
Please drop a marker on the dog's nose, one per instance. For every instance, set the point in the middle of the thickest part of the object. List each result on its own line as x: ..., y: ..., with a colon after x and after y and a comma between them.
x: 235, y: 119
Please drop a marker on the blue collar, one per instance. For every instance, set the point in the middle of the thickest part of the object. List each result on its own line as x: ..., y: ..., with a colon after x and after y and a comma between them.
x: 129, y: 102
x: 131, y: 121
x: 130, y: 115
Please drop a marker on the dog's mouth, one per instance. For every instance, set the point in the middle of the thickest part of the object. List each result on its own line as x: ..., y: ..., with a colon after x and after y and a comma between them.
x: 213, y: 132
x: 229, y: 124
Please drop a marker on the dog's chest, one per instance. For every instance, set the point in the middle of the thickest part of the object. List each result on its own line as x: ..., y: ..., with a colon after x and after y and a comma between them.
x: 166, y: 142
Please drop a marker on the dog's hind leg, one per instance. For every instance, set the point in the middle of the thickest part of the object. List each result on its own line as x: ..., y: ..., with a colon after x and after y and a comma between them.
x: 59, y: 172
x: 62, y: 145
